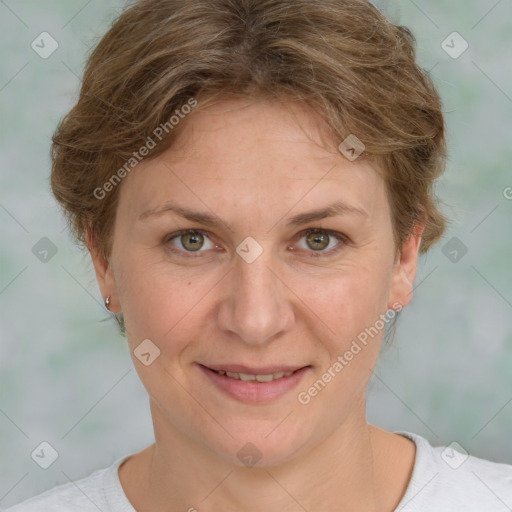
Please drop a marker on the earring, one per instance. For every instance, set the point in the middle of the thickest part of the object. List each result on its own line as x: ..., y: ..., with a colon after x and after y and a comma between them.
x: 107, y: 302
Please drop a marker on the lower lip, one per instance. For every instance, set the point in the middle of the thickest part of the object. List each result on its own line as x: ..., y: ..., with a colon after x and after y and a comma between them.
x: 255, y: 392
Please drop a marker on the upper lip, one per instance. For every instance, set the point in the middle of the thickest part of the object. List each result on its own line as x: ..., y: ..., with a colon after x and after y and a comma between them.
x: 251, y: 370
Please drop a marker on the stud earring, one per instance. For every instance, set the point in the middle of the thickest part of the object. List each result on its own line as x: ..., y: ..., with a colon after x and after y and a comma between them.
x: 107, y: 302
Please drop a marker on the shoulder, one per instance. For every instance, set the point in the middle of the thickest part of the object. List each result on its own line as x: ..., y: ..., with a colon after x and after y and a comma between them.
x: 446, y: 478
x: 101, y: 490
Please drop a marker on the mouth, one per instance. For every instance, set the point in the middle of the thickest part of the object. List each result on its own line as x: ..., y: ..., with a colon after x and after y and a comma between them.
x: 254, y: 385
x: 254, y: 377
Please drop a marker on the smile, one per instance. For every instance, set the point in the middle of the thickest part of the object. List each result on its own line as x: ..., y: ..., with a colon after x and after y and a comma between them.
x: 247, y: 377
x: 252, y: 385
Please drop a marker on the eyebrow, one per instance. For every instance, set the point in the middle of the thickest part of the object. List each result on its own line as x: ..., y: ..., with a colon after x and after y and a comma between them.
x: 332, y: 210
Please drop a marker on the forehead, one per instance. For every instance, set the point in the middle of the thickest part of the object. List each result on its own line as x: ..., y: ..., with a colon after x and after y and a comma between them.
x: 270, y: 154
x: 234, y: 129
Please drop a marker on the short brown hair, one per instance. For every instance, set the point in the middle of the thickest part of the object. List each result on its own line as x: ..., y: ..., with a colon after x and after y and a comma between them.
x: 343, y: 58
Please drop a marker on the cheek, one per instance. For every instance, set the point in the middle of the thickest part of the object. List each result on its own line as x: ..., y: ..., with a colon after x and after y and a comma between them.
x: 352, y: 310
x: 161, y: 302
x: 346, y: 301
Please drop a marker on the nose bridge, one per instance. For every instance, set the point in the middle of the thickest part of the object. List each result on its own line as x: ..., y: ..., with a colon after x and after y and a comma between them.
x: 256, y: 307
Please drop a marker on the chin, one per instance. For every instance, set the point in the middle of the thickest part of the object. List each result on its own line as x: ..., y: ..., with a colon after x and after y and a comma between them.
x: 261, y: 444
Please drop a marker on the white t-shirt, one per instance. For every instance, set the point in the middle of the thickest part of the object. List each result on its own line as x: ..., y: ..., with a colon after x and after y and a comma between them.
x: 443, y: 480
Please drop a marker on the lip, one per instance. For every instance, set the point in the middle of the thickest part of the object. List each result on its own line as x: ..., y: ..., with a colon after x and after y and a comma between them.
x: 251, y: 370
x: 254, y: 392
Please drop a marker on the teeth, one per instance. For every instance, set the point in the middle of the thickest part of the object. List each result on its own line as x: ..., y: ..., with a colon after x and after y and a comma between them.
x: 260, y: 378
x: 264, y: 378
x: 246, y: 377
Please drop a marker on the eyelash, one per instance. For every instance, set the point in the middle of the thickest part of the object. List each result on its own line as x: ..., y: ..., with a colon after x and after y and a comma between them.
x: 314, y: 254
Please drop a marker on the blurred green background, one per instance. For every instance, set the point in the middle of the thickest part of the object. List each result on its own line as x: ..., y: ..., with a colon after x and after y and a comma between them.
x: 66, y: 376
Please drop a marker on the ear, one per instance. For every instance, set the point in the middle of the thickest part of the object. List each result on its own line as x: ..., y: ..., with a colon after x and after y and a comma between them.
x: 104, y: 273
x: 404, y: 273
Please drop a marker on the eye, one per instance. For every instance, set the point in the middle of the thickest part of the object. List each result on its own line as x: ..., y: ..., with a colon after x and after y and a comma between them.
x: 317, y: 240
x: 190, y: 240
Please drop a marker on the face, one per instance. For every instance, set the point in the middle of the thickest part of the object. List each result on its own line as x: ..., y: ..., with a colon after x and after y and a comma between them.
x: 254, y: 285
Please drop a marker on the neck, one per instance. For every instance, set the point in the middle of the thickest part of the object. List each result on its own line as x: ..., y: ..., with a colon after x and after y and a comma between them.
x: 338, y: 474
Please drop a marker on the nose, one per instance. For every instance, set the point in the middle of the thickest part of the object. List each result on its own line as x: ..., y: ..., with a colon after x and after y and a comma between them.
x: 256, y: 304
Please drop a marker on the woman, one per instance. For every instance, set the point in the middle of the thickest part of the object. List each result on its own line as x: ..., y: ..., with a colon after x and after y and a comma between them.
x: 254, y: 183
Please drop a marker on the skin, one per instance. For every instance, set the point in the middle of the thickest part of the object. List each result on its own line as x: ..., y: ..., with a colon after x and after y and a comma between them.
x: 254, y: 164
